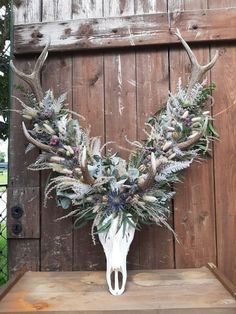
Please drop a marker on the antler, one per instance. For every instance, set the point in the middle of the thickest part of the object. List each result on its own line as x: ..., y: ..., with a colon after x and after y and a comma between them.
x: 197, y: 70
x: 36, y: 143
x: 88, y: 179
x: 147, y: 181
x: 33, y: 79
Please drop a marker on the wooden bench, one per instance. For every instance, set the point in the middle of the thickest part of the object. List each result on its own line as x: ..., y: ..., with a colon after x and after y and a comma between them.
x: 192, y: 291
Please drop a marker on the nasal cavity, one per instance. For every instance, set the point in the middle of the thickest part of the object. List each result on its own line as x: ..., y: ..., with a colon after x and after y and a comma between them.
x: 116, y: 274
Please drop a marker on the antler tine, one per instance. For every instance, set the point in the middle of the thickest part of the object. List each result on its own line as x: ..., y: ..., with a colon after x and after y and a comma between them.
x: 33, y: 141
x: 190, y: 141
x: 33, y: 79
x: 197, y: 70
x: 88, y: 179
x: 146, y: 183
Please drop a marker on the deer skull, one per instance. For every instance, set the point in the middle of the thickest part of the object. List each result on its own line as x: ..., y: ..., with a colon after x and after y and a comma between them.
x: 116, y: 242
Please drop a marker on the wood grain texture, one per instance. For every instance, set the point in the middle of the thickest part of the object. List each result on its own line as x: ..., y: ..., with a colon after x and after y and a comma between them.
x: 19, y: 175
x: 53, y: 10
x: 26, y: 11
x: 162, y: 291
x: 23, y: 252
x: 150, y: 6
x: 156, y: 243
x: 223, y: 74
x: 123, y: 31
x: 88, y: 100
x: 194, y: 215
x: 28, y: 200
x: 120, y: 103
x: 87, y: 9
x: 56, y: 237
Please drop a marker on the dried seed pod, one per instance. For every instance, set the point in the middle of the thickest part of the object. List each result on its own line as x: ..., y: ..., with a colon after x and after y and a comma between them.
x: 193, y: 134
x: 185, y: 114
x: 166, y: 146
x: 175, y: 135
x: 172, y: 156
x: 142, y: 168
x: 69, y: 149
x: 169, y: 128
x: 149, y: 198
x: 57, y: 159
x: 196, y: 119
x: 49, y: 129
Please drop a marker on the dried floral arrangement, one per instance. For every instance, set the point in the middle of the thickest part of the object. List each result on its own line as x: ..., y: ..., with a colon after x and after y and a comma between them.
x: 101, y: 186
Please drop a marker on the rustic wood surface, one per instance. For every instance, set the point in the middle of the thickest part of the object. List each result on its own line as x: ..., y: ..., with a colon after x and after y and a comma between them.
x: 155, y: 243
x: 85, y: 292
x: 99, y: 83
x: 131, y: 30
x: 56, y: 239
x: 224, y: 112
x: 88, y: 100
x: 194, y: 201
x: 23, y: 251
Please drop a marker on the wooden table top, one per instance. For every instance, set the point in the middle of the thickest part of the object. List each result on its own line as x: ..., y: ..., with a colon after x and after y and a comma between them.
x: 159, y: 291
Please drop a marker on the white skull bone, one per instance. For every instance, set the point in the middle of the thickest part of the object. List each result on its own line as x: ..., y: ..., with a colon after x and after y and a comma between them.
x: 116, y: 243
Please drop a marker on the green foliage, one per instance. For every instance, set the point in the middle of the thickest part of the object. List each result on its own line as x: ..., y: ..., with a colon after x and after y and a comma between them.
x: 3, y: 254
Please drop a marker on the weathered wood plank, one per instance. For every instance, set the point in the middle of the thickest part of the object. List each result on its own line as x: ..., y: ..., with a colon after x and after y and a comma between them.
x: 28, y: 200
x: 118, y: 7
x: 224, y: 111
x: 19, y: 175
x: 157, y: 292
x: 26, y: 11
x: 23, y: 252
x: 136, y: 30
x: 88, y: 100
x: 221, y: 277
x: 150, y: 6
x: 194, y: 212
x: 87, y: 9
x: 56, y: 237
x: 56, y: 10
x: 120, y: 103
x: 156, y: 243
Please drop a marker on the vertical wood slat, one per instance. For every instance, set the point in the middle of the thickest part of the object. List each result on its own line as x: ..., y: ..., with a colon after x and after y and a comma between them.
x: 150, y: 6
x: 25, y: 250
x: 194, y: 201
x: 87, y: 9
x: 223, y: 74
x: 120, y: 101
x: 156, y: 243
x: 56, y: 10
x: 118, y: 7
x: 56, y: 237
x: 88, y: 100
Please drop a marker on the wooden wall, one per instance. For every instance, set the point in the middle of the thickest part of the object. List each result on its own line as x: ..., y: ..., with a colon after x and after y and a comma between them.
x: 134, y: 81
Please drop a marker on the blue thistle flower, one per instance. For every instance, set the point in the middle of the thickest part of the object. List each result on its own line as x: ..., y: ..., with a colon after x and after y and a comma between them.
x: 116, y: 201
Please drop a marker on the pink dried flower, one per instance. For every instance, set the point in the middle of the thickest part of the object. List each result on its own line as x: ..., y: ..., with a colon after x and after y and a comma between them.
x: 54, y: 140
